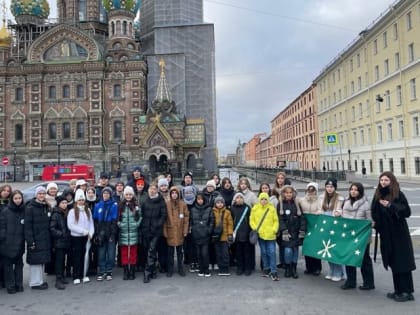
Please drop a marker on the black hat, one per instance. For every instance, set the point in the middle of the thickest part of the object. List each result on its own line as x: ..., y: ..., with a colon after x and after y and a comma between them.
x: 331, y: 181
x: 104, y: 175
x: 60, y: 199
x: 188, y: 173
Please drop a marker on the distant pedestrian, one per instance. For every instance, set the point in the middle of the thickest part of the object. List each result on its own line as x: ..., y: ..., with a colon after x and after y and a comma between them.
x: 390, y: 209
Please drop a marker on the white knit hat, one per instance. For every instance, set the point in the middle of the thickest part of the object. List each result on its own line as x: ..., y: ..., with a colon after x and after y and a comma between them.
x: 128, y: 190
x: 80, y: 195
x: 211, y: 183
x: 312, y: 184
x: 163, y: 182
x: 52, y: 185
x: 81, y: 182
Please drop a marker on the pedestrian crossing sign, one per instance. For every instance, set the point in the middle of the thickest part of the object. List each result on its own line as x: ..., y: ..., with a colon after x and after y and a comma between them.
x: 331, y: 138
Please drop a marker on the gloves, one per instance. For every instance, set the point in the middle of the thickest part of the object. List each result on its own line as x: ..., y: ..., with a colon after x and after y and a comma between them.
x: 230, y: 239
x: 301, y: 234
x: 286, y: 237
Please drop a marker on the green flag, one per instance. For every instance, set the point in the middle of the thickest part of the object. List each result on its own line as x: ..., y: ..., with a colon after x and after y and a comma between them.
x: 336, y: 239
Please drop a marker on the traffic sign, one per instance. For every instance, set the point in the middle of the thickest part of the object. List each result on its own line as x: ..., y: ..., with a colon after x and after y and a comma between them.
x: 331, y: 138
x: 5, y: 160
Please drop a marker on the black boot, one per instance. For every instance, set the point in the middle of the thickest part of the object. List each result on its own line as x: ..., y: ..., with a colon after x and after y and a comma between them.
x: 131, y: 272
x: 63, y: 280
x: 294, y: 272
x: 126, y: 271
x: 287, y: 271
x: 146, y: 278
x: 59, y: 284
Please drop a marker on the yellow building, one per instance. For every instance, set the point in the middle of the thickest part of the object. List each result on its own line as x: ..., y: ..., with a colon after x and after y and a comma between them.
x: 368, y: 100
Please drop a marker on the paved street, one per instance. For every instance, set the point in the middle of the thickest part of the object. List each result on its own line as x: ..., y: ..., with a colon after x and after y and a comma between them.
x: 218, y: 295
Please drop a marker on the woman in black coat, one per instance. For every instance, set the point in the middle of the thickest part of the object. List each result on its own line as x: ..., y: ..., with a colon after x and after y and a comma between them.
x: 12, y: 242
x: 154, y: 215
x: 389, y: 212
x: 37, y: 236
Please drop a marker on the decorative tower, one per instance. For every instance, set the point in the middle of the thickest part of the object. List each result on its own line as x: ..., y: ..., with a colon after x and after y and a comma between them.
x: 5, y: 39
x: 30, y: 11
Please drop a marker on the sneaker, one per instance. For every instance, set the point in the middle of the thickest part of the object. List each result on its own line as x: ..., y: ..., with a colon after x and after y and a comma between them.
x: 328, y: 277
x: 274, y: 276
x: 86, y: 280
x: 207, y: 275
x: 76, y: 281
x: 266, y: 273
x: 192, y: 268
x: 200, y: 274
x: 100, y: 277
x: 336, y: 279
x: 215, y: 267
x: 108, y: 277
x: 225, y: 273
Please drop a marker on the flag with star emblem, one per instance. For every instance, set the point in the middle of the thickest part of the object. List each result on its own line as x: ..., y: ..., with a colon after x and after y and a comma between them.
x: 336, y: 239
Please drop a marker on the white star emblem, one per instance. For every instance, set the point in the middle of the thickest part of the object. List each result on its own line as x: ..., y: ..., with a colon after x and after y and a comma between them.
x: 321, y: 229
x: 326, y: 251
x: 345, y: 225
x: 356, y: 240
x: 332, y: 232
x: 343, y: 234
x: 309, y: 233
x: 357, y: 252
x: 324, y: 222
x: 335, y: 222
x: 353, y: 233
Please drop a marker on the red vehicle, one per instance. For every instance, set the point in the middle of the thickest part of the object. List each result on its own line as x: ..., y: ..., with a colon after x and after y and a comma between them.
x: 68, y: 172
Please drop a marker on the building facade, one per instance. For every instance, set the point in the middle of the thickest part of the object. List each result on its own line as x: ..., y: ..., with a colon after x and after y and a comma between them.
x: 76, y: 90
x: 368, y: 98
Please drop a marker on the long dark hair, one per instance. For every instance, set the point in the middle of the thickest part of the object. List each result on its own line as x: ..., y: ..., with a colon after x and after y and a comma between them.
x: 394, y: 187
x: 13, y: 193
x: 360, y: 189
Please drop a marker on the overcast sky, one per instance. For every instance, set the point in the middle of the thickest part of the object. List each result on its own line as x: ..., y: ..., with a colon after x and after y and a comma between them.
x: 269, y: 51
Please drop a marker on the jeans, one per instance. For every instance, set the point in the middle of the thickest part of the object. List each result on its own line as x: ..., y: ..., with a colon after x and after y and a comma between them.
x: 336, y: 271
x: 268, y: 254
x: 106, y: 257
x: 291, y: 255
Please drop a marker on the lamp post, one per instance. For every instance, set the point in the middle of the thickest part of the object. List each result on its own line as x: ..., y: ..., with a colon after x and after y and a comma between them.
x: 14, y: 164
x: 349, y: 152
x: 119, y: 159
x: 58, y: 151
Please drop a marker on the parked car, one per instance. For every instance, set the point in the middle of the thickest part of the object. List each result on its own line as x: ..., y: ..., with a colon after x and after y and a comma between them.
x: 29, y: 192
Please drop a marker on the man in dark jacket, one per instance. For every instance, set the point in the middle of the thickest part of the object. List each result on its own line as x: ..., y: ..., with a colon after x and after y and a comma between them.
x: 37, y: 236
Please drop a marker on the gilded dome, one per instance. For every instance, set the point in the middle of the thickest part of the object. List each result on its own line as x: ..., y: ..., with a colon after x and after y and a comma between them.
x: 37, y: 8
x: 130, y: 5
x: 5, y: 38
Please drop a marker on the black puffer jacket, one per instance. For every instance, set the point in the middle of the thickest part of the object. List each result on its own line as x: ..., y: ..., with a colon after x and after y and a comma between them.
x: 37, y: 233
x: 202, y: 223
x: 292, y: 222
x: 12, y: 238
x: 242, y: 234
x: 60, y: 233
x: 154, y: 214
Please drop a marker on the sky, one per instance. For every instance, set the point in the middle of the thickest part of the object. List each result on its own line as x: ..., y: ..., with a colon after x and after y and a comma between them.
x: 270, y: 51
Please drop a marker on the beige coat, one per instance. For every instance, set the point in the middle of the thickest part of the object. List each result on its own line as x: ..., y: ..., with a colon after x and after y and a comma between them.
x: 309, y: 204
x: 176, y: 226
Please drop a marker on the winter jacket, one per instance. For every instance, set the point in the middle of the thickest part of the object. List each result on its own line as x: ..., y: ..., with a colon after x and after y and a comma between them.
x: 210, y: 196
x: 59, y: 231
x: 129, y: 222
x: 227, y: 222
x: 177, y: 222
x: 309, y: 204
x: 242, y: 233
x: 360, y: 209
x: 292, y: 224
x: 270, y: 225
x: 141, y: 197
x: 202, y: 223
x: 154, y: 214
x: 37, y: 233
x: 337, y: 206
x: 105, y: 217
x: 227, y: 195
x: 249, y: 197
x: 12, y: 236
x: 396, y: 245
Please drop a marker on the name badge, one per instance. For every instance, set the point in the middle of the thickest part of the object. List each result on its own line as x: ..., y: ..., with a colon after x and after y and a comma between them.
x: 49, y: 214
x: 181, y: 215
x: 22, y: 221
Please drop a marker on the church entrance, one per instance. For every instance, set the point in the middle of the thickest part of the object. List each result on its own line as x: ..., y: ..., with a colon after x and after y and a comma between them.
x: 158, y: 167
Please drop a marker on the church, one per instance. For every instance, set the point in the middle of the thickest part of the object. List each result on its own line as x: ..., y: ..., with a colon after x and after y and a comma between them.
x: 98, y: 86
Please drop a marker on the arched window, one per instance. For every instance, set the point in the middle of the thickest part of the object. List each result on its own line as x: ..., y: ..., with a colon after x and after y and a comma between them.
x: 117, y: 90
x: 66, y: 132
x: 117, y: 134
x: 52, y: 93
x: 18, y: 133
x: 66, y: 91
x: 80, y: 91
x: 125, y: 28
x: 19, y: 94
x: 80, y: 132
x: 52, y: 131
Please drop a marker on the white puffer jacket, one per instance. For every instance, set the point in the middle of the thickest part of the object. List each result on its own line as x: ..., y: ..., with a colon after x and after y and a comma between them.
x: 360, y: 209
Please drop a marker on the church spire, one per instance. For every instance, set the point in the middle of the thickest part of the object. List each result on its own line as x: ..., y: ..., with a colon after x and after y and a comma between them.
x: 162, y: 93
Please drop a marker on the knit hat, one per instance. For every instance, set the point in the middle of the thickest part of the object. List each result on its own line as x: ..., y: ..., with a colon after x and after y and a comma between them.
x: 263, y: 195
x: 128, y: 190
x: 238, y: 194
x: 60, y: 199
x: 140, y: 181
x: 163, y: 182
x: 40, y: 189
x: 219, y: 199
x: 107, y: 189
x: 312, y: 184
x: 188, y: 173
x: 51, y: 185
x: 81, y: 182
x: 80, y: 195
x: 211, y: 183
x: 137, y: 169
x: 331, y: 181
x: 104, y: 175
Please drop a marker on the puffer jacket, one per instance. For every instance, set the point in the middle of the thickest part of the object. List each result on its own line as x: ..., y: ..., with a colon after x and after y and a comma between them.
x: 60, y: 233
x: 37, y: 233
x: 309, y: 204
x: 360, y: 209
x: 242, y: 233
x: 12, y: 237
x: 154, y: 214
x: 227, y: 222
x: 292, y: 224
x: 270, y: 225
x: 177, y: 221
x: 129, y: 222
x: 202, y: 223
x: 105, y: 217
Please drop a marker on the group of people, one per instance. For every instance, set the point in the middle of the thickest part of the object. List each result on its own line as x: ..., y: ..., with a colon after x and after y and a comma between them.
x: 142, y: 225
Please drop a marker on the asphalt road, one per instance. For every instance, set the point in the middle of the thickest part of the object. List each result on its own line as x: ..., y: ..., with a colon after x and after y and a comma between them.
x: 219, y: 295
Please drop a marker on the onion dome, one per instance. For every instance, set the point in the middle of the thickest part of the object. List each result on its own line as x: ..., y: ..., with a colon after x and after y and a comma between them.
x: 5, y: 38
x: 34, y: 8
x: 129, y: 5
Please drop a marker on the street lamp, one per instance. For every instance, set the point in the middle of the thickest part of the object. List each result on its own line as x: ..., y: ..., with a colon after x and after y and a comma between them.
x: 349, y: 152
x: 119, y: 159
x: 14, y: 164
x: 58, y: 151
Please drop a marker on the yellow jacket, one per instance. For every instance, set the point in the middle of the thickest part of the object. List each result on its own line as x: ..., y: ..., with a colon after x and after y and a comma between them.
x: 270, y: 225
